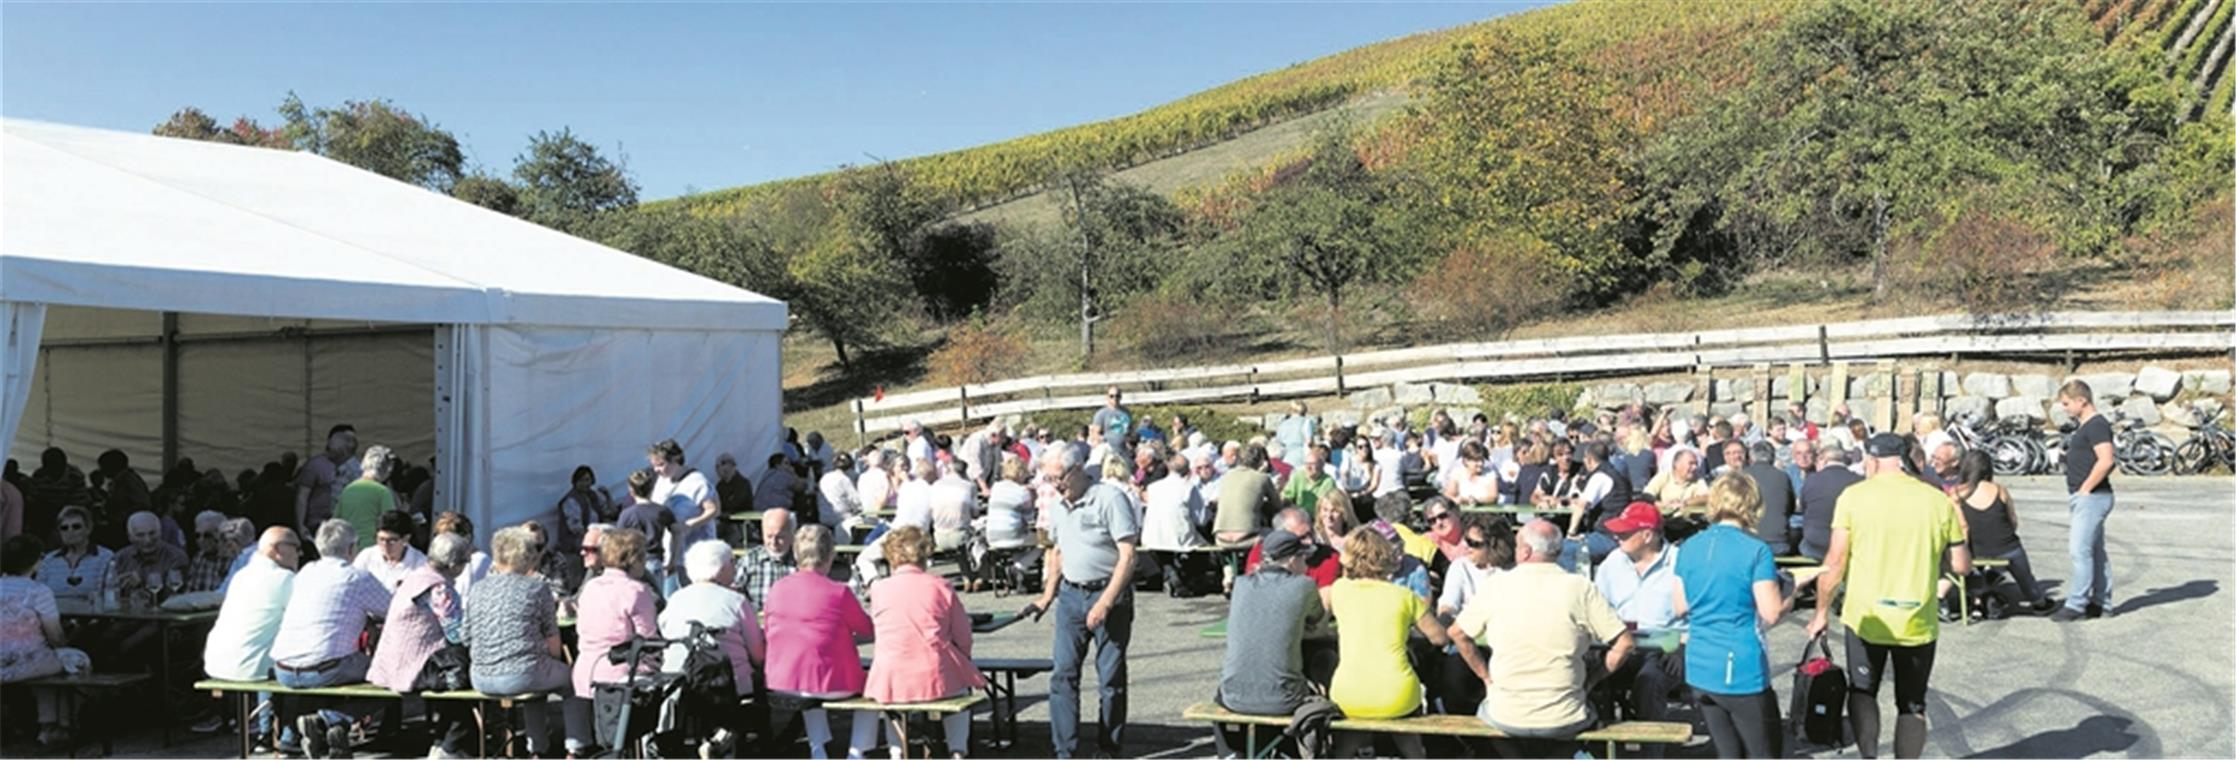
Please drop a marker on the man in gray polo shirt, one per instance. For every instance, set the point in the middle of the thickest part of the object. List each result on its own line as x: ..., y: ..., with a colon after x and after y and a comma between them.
x: 1274, y: 608
x: 1088, y: 586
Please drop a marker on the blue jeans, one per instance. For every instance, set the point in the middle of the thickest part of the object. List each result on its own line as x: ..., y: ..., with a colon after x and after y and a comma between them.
x: 351, y: 670
x: 1591, y: 549
x: 2092, y: 575
x: 1072, y: 637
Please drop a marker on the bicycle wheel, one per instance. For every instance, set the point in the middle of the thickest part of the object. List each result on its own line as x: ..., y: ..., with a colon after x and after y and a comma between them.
x: 2152, y: 454
x: 2193, y: 456
x: 2011, y: 456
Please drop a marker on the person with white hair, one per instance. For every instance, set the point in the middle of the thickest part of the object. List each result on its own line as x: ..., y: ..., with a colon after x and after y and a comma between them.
x: 919, y: 441
x: 880, y: 481
x: 318, y: 635
x: 981, y: 453
x: 425, y: 615
x: 242, y: 534
x: 1543, y: 622
x: 1009, y: 506
x: 512, y: 628
x: 713, y: 605
x: 769, y: 562
x: 149, y: 560
x: 213, y: 553
x: 363, y: 501
x: 912, y: 502
x: 838, y: 501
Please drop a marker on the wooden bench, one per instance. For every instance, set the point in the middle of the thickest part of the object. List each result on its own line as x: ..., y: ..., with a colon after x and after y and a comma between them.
x: 1614, y: 735
x: 97, y: 688
x: 1001, y: 686
x: 244, y: 691
x: 897, y: 714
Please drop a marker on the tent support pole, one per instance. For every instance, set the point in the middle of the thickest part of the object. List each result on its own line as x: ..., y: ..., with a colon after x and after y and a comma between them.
x: 170, y: 389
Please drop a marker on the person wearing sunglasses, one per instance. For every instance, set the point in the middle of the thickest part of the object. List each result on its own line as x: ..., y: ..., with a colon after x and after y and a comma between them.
x: 213, y: 553
x: 75, y: 570
x: 1444, y: 529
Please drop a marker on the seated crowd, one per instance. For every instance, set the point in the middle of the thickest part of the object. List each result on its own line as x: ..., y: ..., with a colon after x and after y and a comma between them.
x: 1529, y: 573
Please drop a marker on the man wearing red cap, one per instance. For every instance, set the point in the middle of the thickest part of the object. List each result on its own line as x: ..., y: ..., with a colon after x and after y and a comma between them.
x: 1639, y: 580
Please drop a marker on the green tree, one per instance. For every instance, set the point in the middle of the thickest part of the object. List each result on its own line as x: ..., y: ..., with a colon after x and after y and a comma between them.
x: 1516, y: 136
x: 489, y: 192
x: 1327, y: 229
x: 377, y: 136
x: 563, y: 181
x: 192, y: 124
x: 1113, y: 240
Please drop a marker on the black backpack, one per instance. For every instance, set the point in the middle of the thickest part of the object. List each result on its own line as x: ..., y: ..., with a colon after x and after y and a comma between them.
x: 709, y: 680
x: 1820, y: 694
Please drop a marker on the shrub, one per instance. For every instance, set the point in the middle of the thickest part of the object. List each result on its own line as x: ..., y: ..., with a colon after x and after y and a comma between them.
x: 1487, y: 288
x: 1983, y: 256
x: 1527, y: 400
x: 977, y: 351
x: 1166, y: 326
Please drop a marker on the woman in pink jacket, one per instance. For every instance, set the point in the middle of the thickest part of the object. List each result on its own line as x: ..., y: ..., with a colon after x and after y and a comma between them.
x: 812, y: 626
x: 613, y: 608
x: 923, y: 638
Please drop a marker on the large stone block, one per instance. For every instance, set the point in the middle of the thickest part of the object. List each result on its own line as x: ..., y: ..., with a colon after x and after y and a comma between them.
x: 1990, y: 384
x: 1726, y: 409
x: 1337, y: 418
x: 1411, y: 394
x: 2208, y: 408
x: 2213, y: 381
x: 2140, y: 408
x: 2024, y: 408
x: 1863, y: 409
x: 1612, y: 395
x: 1958, y: 408
x: 1818, y: 411
x: 2158, y: 383
x: 2038, y: 386
x: 2058, y: 418
x: 1872, y: 385
x: 1385, y: 414
x: 1662, y: 394
x: 1449, y: 393
x: 1743, y: 389
x: 1275, y: 419
x: 1722, y: 390
x: 1683, y: 410
x: 1371, y: 398
x: 2110, y: 387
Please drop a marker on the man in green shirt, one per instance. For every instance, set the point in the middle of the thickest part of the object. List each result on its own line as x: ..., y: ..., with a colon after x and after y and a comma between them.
x: 1311, y: 480
x: 1888, y: 535
x: 362, y: 502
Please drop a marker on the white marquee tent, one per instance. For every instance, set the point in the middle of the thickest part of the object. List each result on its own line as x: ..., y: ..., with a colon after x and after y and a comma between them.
x: 171, y: 297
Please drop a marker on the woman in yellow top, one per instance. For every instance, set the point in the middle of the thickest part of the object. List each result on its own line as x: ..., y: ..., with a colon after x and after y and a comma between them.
x: 1374, y: 618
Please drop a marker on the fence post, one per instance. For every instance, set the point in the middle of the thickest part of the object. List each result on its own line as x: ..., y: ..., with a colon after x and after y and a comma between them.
x: 1761, y: 404
x: 861, y: 427
x: 1884, y: 413
x: 1339, y: 374
x: 1824, y: 344
x: 962, y: 393
x: 1836, y: 387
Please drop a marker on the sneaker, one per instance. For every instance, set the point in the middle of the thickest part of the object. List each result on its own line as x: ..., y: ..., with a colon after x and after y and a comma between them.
x: 337, y: 741
x: 2067, y: 615
x: 311, y: 731
x: 2097, y: 611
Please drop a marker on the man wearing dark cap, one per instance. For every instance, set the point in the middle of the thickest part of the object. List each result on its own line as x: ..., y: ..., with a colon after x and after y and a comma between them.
x: 1888, y: 536
x: 1273, y: 609
x: 1640, y: 579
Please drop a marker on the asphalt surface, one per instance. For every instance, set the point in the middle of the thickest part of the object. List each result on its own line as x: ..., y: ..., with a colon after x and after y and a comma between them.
x: 2152, y: 680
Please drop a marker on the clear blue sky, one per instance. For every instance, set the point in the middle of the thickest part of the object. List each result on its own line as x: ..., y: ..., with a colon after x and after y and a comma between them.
x: 695, y: 96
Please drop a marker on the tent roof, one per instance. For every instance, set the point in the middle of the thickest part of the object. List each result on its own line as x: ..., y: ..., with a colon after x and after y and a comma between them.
x: 114, y: 219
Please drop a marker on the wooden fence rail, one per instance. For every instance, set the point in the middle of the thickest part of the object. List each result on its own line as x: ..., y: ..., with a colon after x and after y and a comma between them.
x: 2065, y: 333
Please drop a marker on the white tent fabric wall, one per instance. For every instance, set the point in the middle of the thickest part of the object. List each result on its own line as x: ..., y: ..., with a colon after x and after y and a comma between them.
x: 552, y: 401
x: 20, y: 325
x: 547, y: 351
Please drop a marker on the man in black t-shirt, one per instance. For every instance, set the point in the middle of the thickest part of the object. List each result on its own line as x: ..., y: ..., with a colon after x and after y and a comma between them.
x: 2088, y: 478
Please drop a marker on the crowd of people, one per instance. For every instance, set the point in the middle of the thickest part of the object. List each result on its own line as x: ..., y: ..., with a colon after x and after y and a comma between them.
x: 1533, y: 573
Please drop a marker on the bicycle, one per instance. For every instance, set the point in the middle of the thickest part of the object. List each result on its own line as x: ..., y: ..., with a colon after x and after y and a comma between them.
x: 2209, y: 445
x: 2142, y: 452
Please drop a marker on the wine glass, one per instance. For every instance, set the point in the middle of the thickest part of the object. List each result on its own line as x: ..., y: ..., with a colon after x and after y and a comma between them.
x: 173, y: 582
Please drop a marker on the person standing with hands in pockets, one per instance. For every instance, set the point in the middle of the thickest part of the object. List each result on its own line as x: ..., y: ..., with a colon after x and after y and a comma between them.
x: 1088, y: 586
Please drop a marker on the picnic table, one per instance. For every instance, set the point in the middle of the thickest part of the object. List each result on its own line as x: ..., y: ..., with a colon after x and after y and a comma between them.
x: 165, y: 621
